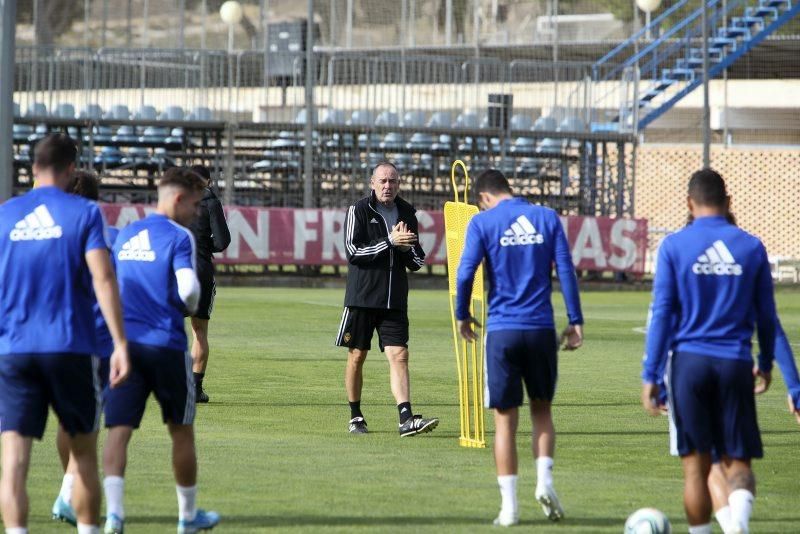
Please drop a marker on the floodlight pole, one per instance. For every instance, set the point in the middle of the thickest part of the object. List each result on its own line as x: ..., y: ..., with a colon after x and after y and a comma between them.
x: 8, y: 18
x: 308, y: 150
x: 706, y: 109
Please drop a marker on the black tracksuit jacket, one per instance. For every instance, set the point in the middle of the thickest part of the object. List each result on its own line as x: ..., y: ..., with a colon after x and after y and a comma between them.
x: 210, y: 229
x: 376, y: 275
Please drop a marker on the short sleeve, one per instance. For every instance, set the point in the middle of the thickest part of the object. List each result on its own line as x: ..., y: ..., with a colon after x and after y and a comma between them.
x: 96, y: 231
x: 184, y: 257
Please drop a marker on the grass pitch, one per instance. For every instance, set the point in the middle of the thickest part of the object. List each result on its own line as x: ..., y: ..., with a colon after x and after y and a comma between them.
x: 275, y: 454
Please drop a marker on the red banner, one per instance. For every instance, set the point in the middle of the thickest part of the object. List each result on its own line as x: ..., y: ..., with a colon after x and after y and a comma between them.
x: 315, y: 237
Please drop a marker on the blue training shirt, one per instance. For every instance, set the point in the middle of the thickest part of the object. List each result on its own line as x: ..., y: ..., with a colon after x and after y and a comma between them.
x: 519, y: 242
x: 147, y: 253
x: 46, y: 292
x: 713, y: 276
x: 105, y: 344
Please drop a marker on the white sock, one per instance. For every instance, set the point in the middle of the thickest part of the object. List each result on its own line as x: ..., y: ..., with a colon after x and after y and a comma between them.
x: 88, y: 529
x: 723, y: 516
x: 700, y: 529
x: 508, y: 493
x: 740, y: 502
x: 66, y: 488
x: 544, y: 472
x: 17, y: 530
x: 115, y: 494
x: 187, y: 509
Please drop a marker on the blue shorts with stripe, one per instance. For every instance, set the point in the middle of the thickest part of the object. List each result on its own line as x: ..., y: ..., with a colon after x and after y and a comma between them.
x: 167, y: 373
x: 712, y: 406
x: 514, y: 357
x: 68, y: 382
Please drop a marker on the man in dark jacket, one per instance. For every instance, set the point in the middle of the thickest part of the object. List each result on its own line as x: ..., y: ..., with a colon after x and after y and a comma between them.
x: 211, y: 235
x: 380, y: 242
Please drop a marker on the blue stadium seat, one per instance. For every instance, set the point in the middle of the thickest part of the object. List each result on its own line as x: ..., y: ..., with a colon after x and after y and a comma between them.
x: 420, y: 141
x: 387, y: 118
x: 137, y: 157
x: 301, y: 117
x: 286, y: 140
x: 333, y: 116
x: 92, y: 111
x: 479, y: 144
x: 21, y: 132
x: 441, y: 119
x: 175, y: 137
x: 340, y: 141
x: 173, y: 113
x: 37, y: 109
x: 16, y: 110
x: 523, y: 145
x: 572, y: 124
x: 442, y: 143
x: 521, y: 122
x: 362, y: 117
x: 467, y: 119
x: 64, y: 111
x: 414, y: 119
x: 154, y: 134
x: 118, y: 112
x: 125, y: 134
x: 550, y: 146
x: 545, y: 124
x: 39, y: 133
x: 373, y: 140
x: 109, y: 157
x: 392, y: 141
x: 101, y: 134
x: 146, y: 113
x: 161, y: 159
x: 200, y: 114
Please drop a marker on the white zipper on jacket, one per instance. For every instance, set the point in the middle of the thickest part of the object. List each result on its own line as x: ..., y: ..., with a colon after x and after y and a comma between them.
x: 391, y: 253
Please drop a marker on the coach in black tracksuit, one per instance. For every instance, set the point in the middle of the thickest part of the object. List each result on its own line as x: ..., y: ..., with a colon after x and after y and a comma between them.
x: 211, y: 235
x: 380, y: 242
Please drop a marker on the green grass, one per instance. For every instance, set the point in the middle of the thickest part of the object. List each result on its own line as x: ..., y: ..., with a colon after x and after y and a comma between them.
x: 275, y: 455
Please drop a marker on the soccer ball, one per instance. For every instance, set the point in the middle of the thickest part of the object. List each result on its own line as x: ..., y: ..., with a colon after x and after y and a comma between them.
x: 647, y: 521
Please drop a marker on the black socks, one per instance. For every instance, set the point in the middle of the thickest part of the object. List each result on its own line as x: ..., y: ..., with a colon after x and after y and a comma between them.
x: 198, y: 380
x: 355, y: 409
x: 404, y: 409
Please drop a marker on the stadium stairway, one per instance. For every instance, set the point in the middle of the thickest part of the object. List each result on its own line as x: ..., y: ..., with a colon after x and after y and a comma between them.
x: 671, y: 65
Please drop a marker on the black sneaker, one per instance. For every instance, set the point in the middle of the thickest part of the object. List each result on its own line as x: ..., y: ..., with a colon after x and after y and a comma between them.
x: 358, y: 425
x: 200, y: 396
x: 417, y: 425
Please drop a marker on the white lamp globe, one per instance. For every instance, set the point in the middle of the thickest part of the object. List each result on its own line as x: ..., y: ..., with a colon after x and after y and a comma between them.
x: 231, y: 12
x: 648, y: 6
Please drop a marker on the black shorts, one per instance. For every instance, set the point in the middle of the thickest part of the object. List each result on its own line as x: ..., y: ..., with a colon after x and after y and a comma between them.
x: 208, y: 289
x: 358, y: 324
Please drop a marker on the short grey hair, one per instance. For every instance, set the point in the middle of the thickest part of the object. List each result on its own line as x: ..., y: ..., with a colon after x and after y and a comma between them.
x: 384, y: 163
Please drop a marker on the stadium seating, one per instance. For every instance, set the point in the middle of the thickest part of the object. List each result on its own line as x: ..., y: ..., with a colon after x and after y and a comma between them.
x: 109, y: 158
x: 64, y: 111
x: 301, y: 117
x: 413, y: 119
x: 521, y: 122
x: 147, y: 113
x: 154, y: 134
x: 361, y: 117
x: 21, y: 132
x: 200, y: 114
x: 333, y: 116
x: 118, y: 112
x: 16, y: 110
x: 173, y: 113
x: 37, y: 109
x: 92, y: 111
x: 467, y: 119
x: 393, y: 141
x: 387, y: 118
x: 440, y: 119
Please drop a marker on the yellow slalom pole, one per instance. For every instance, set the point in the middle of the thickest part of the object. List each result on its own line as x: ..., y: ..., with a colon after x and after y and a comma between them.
x: 469, y: 355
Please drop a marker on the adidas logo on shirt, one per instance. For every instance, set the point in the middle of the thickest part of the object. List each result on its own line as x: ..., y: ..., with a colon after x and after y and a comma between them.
x: 36, y: 226
x: 522, y: 232
x: 717, y: 260
x: 137, y: 248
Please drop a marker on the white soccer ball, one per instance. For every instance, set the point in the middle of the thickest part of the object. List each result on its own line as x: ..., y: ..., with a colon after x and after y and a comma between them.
x: 647, y: 521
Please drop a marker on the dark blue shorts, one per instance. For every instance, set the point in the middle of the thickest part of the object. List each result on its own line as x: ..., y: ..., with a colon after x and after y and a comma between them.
x: 68, y: 382
x: 103, y: 369
x: 713, y: 407
x: 167, y: 373
x: 517, y: 356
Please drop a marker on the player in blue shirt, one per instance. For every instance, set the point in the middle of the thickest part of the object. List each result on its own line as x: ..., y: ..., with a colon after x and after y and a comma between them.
x: 84, y: 184
x: 519, y: 243
x: 715, y: 279
x: 155, y: 262
x: 53, y: 261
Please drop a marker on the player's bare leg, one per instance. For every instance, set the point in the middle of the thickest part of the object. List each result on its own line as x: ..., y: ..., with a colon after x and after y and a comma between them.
x: 353, y: 382
x: 200, y: 351
x: 16, y: 457
x: 398, y: 373
x: 543, y: 445
x: 184, y: 466
x: 86, y: 491
x: 696, y: 496
x: 410, y: 424
x: 115, y: 460
x: 742, y: 490
x: 506, y: 463
x: 718, y: 487
x: 62, y: 507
